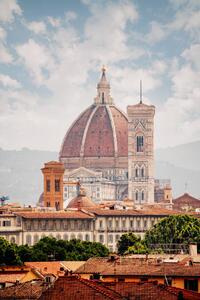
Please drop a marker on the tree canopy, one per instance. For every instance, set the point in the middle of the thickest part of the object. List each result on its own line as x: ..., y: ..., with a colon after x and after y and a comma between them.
x: 177, y: 229
x: 127, y: 240
x: 49, y: 248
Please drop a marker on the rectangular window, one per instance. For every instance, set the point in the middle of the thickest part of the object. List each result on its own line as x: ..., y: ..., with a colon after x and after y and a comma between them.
x: 145, y: 224
x: 110, y: 238
x: 191, y: 284
x: 100, y: 224
x: 6, y: 223
x: 140, y: 143
x: 48, y: 185
x: 57, y: 185
x: 131, y: 223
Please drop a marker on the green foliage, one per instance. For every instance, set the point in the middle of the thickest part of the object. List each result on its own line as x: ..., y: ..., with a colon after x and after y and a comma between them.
x: 138, y: 248
x: 126, y: 241
x: 183, y: 229
x: 8, y: 253
x: 50, y: 249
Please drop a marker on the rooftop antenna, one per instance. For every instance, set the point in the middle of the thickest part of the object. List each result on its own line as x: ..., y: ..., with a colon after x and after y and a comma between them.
x: 140, y: 91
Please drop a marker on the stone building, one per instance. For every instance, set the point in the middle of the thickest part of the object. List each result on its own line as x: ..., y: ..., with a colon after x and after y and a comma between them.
x: 83, y: 219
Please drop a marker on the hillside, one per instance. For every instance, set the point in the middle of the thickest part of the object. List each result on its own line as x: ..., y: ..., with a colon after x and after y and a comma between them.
x: 184, y: 156
x: 21, y: 178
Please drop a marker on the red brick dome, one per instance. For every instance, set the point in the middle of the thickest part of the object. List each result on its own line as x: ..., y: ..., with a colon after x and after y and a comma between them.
x: 100, y: 131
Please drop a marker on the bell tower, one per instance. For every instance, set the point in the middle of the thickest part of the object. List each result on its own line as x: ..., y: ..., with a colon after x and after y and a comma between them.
x: 141, y: 152
x: 53, y: 172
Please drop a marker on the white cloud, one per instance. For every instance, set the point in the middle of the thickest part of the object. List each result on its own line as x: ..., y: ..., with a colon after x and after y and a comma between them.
x: 55, y: 22
x: 70, y: 16
x: 3, y: 34
x: 193, y: 55
x: 8, y: 10
x: 157, y: 33
x: 37, y: 27
x: 7, y: 81
x: 5, y: 56
x: 36, y: 58
x: 178, y: 118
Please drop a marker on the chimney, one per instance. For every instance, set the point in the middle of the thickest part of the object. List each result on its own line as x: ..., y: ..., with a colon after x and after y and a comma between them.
x: 193, y: 249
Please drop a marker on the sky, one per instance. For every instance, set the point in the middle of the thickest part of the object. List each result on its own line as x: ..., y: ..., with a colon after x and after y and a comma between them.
x: 52, y: 52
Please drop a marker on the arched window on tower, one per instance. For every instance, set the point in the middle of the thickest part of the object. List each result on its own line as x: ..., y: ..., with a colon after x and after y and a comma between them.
x: 136, y: 196
x: 142, y: 172
x: 142, y: 196
x: 140, y: 143
x: 136, y: 172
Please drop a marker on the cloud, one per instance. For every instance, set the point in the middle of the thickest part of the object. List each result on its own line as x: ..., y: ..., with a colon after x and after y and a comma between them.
x: 37, y: 27
x: 70, y: 16
x: 157, y: 33
x: 178, y: 117
x: 36, y: 58
x: 7, y: 81
x: 8, y: 10
x: 192, y: 55
x: 55, y: 22
x: 3, y: 34
x: 5, y: 56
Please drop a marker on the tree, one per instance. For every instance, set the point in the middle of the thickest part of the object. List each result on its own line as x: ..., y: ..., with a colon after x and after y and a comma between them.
x: 178, y: 229
x: 126, y: 241
x: 8, y: 253
x: 138, y: 248
x: 48, y: 248
x: 25, y: 253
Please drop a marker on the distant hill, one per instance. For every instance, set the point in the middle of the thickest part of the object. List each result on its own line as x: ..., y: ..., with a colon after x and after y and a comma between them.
x: 20, y: 175
x: 21, y: 178
x: 185, y: 156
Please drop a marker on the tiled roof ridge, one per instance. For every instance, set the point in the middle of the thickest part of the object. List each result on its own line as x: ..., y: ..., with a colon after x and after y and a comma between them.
x: 98, y: 288
x: 174, y: 290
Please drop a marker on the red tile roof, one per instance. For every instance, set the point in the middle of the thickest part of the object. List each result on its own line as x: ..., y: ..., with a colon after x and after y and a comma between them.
x: 124, y: 266
x: 150, y: 291
x: 26, y: 290
x: 70, y: 214
x: 75, y: 288
x: 186, y: 200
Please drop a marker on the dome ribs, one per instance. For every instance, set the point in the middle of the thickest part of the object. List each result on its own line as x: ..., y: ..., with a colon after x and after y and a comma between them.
x: 72, y: 142
x: 99, y: 141
x: 121, y: 128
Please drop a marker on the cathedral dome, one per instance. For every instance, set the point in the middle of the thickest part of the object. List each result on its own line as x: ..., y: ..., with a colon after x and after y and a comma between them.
x: 101, y: 131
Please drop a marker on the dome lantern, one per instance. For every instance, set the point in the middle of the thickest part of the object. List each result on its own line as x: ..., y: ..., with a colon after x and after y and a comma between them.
x: 103, y: 90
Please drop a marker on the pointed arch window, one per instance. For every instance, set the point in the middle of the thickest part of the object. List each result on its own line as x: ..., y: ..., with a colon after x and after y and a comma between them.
x: 142, y: 172
x: 136, y: 172
x: 136, y: 196
x: 142, y: 196
x: 140, y: 143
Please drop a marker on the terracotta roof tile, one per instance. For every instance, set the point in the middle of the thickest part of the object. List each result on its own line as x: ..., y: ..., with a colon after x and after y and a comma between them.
x: 70, y: 214
x: 136, y: 267
x: 26, y: 290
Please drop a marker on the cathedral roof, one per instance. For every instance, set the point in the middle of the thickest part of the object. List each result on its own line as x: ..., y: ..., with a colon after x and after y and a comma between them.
x: 100, y: 131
